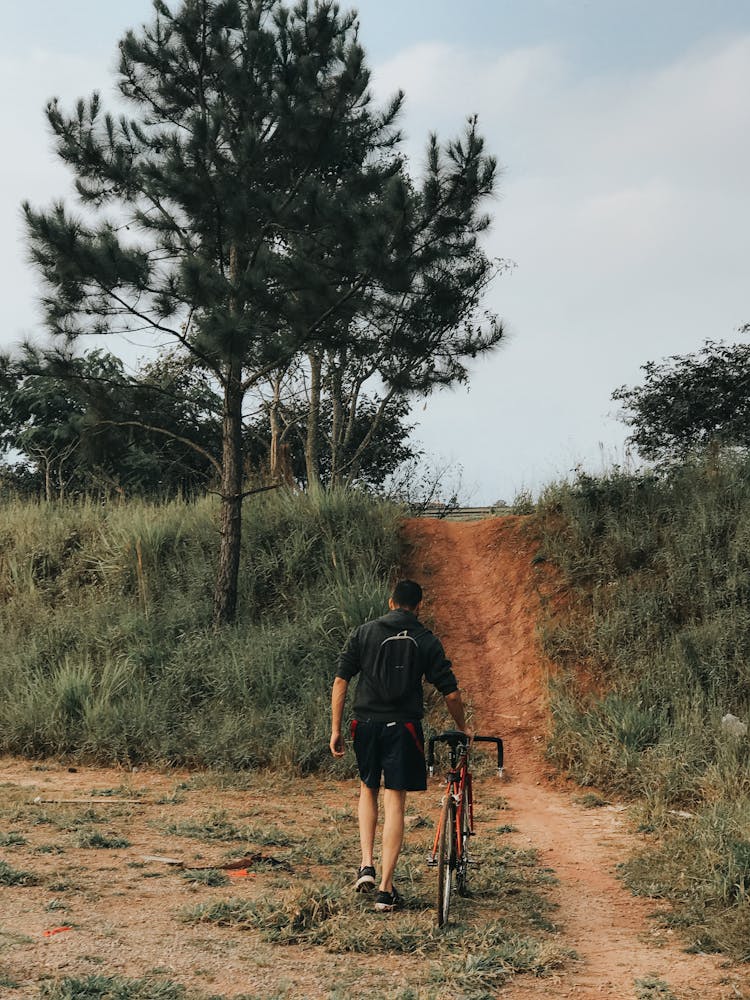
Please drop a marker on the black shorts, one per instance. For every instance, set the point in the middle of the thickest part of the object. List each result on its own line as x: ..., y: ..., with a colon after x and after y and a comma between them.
x: 393, y: 749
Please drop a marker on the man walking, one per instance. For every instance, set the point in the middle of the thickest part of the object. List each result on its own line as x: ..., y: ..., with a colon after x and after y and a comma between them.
x: 391, y: 654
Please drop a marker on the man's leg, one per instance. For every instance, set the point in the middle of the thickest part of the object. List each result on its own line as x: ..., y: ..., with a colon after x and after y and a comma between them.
x: 368, y: 821
x: 394, y: 805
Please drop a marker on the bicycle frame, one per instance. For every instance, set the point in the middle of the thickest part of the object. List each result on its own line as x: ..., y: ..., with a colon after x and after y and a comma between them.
x: 457, y: 779
x: 449, y: 849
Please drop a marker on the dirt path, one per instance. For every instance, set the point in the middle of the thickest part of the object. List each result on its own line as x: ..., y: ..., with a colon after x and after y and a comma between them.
x: 481, y: 595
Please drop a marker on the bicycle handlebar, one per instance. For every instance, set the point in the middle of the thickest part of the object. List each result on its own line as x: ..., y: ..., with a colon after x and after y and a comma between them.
x: 454, y: 738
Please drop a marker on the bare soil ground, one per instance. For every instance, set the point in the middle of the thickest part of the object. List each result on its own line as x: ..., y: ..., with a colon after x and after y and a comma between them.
x: 484, y: 598
x: 85, y: 834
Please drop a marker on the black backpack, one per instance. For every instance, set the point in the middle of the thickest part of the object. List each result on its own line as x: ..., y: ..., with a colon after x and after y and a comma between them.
x: 396, y: 671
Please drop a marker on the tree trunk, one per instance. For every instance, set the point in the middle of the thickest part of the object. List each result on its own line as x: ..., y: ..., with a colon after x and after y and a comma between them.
x: 337, y: 424
x: 225, y: 592
x: 354, y: 464
x: 47, y: 479
x: 312, y: 465
x: 275, y: 425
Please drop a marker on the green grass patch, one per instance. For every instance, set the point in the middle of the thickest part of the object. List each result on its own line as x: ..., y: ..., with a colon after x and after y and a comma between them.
x: 12, y: 839
x: 107, y: 651
x: 100, y: 841
x: 652, y: 650
x: 13, y: 876
x: 591, y: 800
x: 215, y: 826
x: 102, y: 987
x: 209, y: 876
x: 653, y: 988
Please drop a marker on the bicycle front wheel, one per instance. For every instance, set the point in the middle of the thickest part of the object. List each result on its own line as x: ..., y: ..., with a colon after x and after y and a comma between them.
x: 446, y: 858
x: 462, y: 848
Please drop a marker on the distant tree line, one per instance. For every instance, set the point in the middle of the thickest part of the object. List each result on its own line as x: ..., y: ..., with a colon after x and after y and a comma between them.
x: 82, y: 426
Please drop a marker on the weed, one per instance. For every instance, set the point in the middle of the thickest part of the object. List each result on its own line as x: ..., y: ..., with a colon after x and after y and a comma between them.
x: 120, y: 791
x: 13, y: 876
x: 591, y: 800
x: 210, y: 876
x: 54, y: 905
x: 268, y: 836
x: 83, y: 818
x: 12, y: 840
x: 98, y: 987
x: 11, y: 939
x: 95, y: 839
x: 653, y: 988
x: 215, y: 826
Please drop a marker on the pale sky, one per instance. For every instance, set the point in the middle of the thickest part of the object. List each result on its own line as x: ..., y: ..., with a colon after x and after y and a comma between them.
x: 623, y: 130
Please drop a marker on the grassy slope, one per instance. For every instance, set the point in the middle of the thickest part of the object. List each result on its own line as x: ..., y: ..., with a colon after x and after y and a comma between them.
x: 655, y: 651
x: 106, y: 647
x: 106, y: 650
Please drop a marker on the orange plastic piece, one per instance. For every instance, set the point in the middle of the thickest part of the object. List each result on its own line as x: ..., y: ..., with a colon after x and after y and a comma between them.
x: 56, y: 930
x: 240, y: 873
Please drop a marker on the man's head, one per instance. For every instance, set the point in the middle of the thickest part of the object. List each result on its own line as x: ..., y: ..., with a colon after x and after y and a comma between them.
x: 406, y: 594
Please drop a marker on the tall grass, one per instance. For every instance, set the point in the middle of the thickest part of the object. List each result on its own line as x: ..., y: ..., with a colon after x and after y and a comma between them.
x: 106, y: 645
x: 654, y: 650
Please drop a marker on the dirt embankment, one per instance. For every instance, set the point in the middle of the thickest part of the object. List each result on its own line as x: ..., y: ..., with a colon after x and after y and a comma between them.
x: 482, y: 596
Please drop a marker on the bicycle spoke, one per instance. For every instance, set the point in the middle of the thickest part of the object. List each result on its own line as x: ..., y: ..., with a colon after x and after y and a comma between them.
x: 462, y: 848
x: 446, y: 859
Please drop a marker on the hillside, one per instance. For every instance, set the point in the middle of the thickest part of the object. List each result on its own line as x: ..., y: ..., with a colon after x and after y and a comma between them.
x: 484, y: 596
x: 107, y: 658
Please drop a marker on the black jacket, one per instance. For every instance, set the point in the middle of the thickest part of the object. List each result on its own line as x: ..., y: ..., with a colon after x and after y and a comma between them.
x: 362, y: 648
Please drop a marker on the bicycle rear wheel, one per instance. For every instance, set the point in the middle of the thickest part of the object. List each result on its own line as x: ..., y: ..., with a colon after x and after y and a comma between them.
x: 446, y: 858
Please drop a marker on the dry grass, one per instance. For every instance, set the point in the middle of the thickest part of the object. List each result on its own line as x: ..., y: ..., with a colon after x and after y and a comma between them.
x: 292, y: 928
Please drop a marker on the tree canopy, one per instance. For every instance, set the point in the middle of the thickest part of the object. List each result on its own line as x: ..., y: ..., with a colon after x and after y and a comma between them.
x: 690, y: 401
x: 82, y: 425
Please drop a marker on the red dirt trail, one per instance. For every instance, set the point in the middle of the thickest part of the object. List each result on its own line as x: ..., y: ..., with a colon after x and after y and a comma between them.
x: 481, y: 594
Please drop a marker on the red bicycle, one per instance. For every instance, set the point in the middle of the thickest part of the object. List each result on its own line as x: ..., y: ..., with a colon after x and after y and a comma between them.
x: 450, y: 848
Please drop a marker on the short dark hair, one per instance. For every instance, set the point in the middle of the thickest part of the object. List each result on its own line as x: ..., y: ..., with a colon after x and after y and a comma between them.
x: 406, y: 594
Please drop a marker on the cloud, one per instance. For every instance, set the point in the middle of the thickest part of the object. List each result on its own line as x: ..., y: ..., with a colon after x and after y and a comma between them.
x: 624, y: 201
x: 29, y: 169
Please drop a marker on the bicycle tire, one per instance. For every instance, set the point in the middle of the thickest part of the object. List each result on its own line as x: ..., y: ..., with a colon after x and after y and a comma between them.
x: 462, y: 848
x: 446, y: 859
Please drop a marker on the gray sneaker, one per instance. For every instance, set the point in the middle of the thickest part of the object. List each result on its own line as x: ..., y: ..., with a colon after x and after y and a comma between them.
x: 365, y: 879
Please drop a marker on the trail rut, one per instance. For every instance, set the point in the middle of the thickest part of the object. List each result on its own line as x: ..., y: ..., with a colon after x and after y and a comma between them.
x: 482, y: 597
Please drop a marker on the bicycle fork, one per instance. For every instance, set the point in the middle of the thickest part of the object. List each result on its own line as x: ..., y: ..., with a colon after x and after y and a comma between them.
x: 457, y: 797
x: 432, y: 856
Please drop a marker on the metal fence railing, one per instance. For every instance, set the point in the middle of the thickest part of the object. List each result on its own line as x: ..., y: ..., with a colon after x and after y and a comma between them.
x: 448, y: 513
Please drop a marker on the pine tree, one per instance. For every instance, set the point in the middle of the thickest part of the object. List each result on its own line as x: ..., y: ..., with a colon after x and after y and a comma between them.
x: 215, y: 213
x: 254, y: 208
x: 413, y: 330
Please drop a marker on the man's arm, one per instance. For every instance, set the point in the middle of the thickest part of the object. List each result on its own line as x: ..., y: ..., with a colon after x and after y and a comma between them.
x: 454, y: 704
x: 338, y: 697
